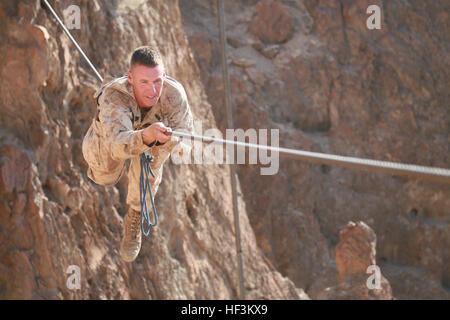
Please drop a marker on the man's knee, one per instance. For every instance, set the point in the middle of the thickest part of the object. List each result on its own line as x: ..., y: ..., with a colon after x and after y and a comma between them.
x: 106, y: 178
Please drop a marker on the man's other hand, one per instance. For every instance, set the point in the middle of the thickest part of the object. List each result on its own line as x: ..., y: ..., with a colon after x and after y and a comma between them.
x: 156, y: 131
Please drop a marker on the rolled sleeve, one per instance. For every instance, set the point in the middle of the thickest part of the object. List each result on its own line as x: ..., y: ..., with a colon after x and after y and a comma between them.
x: 124, y: 142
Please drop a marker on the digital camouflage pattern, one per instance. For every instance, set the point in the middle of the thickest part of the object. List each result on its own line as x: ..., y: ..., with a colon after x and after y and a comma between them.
x: 116, y: 134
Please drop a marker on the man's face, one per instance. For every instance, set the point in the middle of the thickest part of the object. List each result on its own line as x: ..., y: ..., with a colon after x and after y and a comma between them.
x: 147, y: 84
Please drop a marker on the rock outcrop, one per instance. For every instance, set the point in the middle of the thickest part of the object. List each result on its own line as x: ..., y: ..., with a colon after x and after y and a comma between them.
x: 272, y: 22
x: 53, y: 217
x: 334, y: 86
x: 359, y: 275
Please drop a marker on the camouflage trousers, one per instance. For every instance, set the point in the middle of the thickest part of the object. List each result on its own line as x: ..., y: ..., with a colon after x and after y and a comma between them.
x: 107, y: 171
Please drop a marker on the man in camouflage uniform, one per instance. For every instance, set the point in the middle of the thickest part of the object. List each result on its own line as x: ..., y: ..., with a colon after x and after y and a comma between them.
x: 134, y: 113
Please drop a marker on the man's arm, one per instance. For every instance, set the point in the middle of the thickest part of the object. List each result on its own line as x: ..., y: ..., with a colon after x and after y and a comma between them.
x: 115, y: 119
x: 179, y: 118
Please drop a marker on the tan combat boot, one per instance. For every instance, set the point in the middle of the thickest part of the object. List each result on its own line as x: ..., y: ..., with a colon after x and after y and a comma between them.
x: 132, y: 237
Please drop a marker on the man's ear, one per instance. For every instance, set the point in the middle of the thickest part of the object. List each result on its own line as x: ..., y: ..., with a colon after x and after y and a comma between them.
x: 130, y: 77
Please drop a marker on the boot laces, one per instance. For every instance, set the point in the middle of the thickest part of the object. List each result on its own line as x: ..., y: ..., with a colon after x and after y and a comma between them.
x: 135, y: 225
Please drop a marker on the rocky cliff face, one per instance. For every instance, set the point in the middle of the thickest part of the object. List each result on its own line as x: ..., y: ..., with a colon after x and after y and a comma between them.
x: 52, y: 216
x: 313, y: 70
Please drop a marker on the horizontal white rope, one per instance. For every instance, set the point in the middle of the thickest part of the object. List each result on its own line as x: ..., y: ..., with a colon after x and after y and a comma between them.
x: 395, y: 168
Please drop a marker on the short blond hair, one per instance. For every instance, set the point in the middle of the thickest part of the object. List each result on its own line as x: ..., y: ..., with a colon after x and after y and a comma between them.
x: 147, y: 56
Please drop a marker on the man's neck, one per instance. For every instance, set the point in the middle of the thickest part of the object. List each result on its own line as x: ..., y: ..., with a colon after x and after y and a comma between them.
x: 145, y: 110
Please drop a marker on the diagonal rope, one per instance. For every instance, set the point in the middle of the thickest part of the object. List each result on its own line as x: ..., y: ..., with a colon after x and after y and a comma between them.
x: 73, y: 40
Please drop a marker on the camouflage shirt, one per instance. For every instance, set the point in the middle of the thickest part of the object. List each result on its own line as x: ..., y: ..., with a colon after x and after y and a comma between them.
x: 122, y: 120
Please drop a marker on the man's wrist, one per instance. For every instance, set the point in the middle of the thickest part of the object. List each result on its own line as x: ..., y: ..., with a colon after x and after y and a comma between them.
x: 144, y: 140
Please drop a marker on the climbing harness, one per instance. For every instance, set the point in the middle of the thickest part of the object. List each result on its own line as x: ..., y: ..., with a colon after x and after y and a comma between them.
x: 144, y: 185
